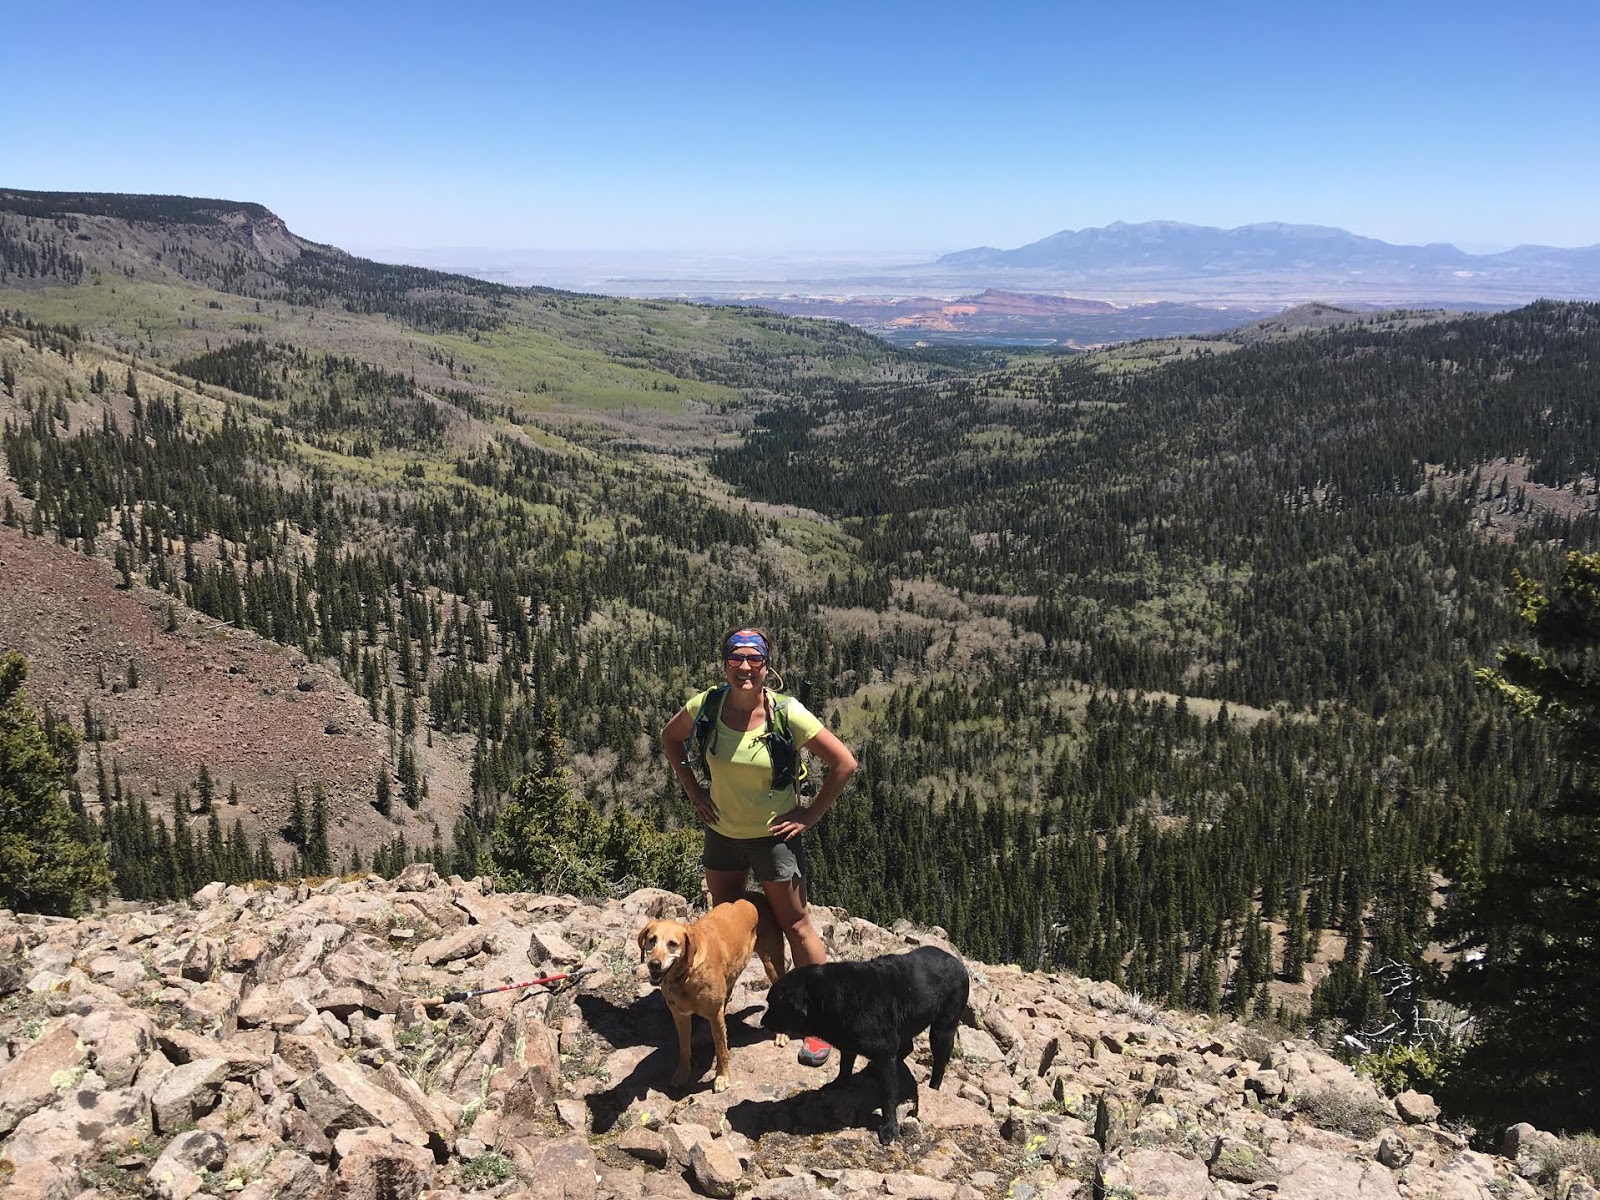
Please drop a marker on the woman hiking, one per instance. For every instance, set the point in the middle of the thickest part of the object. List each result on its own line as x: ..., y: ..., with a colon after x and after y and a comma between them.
x: 752, y: 812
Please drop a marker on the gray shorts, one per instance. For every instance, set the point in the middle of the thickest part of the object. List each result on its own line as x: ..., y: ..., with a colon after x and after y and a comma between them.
x: 773, y: 860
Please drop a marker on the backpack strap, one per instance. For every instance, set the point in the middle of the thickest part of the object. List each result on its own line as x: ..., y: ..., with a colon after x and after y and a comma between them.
x: 788, y: 765
x: 703, y: 736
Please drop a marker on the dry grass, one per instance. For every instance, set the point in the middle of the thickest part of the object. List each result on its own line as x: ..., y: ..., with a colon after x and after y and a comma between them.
x: 1581, y: 1152
x: 1343, y: 1112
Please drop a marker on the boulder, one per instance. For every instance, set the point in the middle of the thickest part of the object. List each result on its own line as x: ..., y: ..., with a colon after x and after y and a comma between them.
x: 646, y: 1145
x: 944, y: 1109
x: 978, y: 1045
x: 176, y: 1174
x: 651, y: 903
x: 1266, y: 1084
x: 341, y: 1095
x: 555, y: 1168
x: 1308, y: 1173
x: 480, y: 909
x: 715, y: 1170
x: 856, y: 1181
x: 549, y: 949
x: 41, y: 1180
x: 1240, y: 1161
x: 119, y: 1040
x: 212, y: 1008
x: 244, y: 953
x: 917, y: 1187
x: 374, y: 1164
x: 434, y: 1114
x: 1415, y: 1108
x: 418, y: 877
x: 182, y: 1046
x: 786, y: 1187
x: 35, y: 1077
x: 1114, y: 1119
x: 681, y: 1141
x: 187, y: 1092
x: 51, y: 1133
x: 1392, y: 1151
x: 96, y: 1111
x: 1523, y: 1138
x: 1151, y: 1173
x: 203, y: 959
x: 289, y: 1176
x: 448, y: 947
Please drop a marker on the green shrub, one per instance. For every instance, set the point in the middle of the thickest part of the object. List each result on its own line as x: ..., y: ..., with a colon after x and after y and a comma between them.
x: 488, y: 1169
x: 548, y: 838
x: 1582, y: 1152
x: 1397, y: 1068
x: 1343, y: 1112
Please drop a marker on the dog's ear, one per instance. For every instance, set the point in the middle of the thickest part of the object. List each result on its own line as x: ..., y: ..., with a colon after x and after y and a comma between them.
x: 797, y: 997
x: 643, y: 933
x: 815, y: 996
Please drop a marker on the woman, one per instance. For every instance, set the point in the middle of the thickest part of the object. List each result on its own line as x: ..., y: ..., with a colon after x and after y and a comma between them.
x: 751, y: 824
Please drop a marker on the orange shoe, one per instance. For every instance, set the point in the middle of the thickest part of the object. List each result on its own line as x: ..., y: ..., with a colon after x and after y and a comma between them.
x: 814, y: 1051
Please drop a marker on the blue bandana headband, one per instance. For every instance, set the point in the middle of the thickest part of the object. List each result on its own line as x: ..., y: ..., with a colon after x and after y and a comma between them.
x: 746, y: 639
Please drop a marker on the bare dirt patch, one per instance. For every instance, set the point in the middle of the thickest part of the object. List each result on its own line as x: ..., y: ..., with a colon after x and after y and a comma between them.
x: 207, y: 695
x: 1506, y: 501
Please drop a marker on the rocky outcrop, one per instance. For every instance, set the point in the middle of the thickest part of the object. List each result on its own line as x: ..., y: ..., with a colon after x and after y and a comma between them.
x: 281, y: 1042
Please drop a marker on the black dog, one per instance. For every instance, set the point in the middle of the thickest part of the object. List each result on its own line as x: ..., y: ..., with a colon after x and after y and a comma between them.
x: 875, y: 1009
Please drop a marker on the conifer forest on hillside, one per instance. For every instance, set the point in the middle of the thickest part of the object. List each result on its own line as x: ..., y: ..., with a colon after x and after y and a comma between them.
x: 1162, y: 662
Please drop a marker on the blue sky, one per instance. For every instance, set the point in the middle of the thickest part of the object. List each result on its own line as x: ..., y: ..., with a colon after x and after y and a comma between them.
x: 820, y: 126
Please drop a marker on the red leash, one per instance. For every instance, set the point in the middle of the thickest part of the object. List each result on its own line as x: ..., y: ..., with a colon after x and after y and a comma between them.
x: 454, y: 997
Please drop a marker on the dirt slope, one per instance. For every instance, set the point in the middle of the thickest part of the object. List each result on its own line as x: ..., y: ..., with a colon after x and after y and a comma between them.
x: 257, y: 714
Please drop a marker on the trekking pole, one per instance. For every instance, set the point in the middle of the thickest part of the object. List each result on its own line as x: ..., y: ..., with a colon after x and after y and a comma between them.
x: 454, y: 997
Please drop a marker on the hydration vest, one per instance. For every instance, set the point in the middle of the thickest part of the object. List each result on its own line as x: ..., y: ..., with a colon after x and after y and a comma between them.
x: 788, y: 767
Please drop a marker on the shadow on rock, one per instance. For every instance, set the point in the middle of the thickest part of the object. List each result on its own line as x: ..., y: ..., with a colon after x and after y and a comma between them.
x: 857, y: 1104
x: 647, y: 1022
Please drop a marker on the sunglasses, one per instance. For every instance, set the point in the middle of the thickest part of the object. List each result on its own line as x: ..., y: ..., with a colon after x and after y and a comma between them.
x: 751, y: 660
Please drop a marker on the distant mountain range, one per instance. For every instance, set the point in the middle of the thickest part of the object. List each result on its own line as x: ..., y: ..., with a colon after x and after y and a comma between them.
x: 1276, y: 259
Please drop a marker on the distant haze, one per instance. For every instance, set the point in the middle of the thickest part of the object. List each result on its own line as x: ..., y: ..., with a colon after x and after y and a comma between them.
x: 1267, y: 263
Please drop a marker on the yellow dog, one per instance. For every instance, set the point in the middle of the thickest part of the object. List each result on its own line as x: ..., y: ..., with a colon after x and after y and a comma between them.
x: 696, y: 966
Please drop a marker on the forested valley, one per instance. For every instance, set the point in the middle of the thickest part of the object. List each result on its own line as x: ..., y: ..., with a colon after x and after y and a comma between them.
x: 1160, y: 662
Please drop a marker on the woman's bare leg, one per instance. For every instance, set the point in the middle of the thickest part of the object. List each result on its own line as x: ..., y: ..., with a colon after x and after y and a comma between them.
x: 787, y: 897
x: 725, y: 886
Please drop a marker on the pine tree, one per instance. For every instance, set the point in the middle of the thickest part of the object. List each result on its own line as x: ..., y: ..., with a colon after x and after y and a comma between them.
x: 205, y: 789
x: 297, y: 831
x: 50, y: 860
x: 182, y: 862
x: 1531, y: 977
x: 319, y: 858
x: 547, y: 838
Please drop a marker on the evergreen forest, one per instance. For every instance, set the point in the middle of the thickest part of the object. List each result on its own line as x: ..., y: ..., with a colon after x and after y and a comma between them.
x: 1164, y: 665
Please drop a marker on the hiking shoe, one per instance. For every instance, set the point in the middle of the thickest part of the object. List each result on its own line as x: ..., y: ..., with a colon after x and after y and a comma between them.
x: 814, y: 1051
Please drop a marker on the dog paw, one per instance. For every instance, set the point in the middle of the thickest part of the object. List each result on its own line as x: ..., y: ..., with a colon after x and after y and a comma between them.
x: 780, y: 1039
x: 888, y: 1131
x: 680, y: 1078
x: 721, y: 1083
